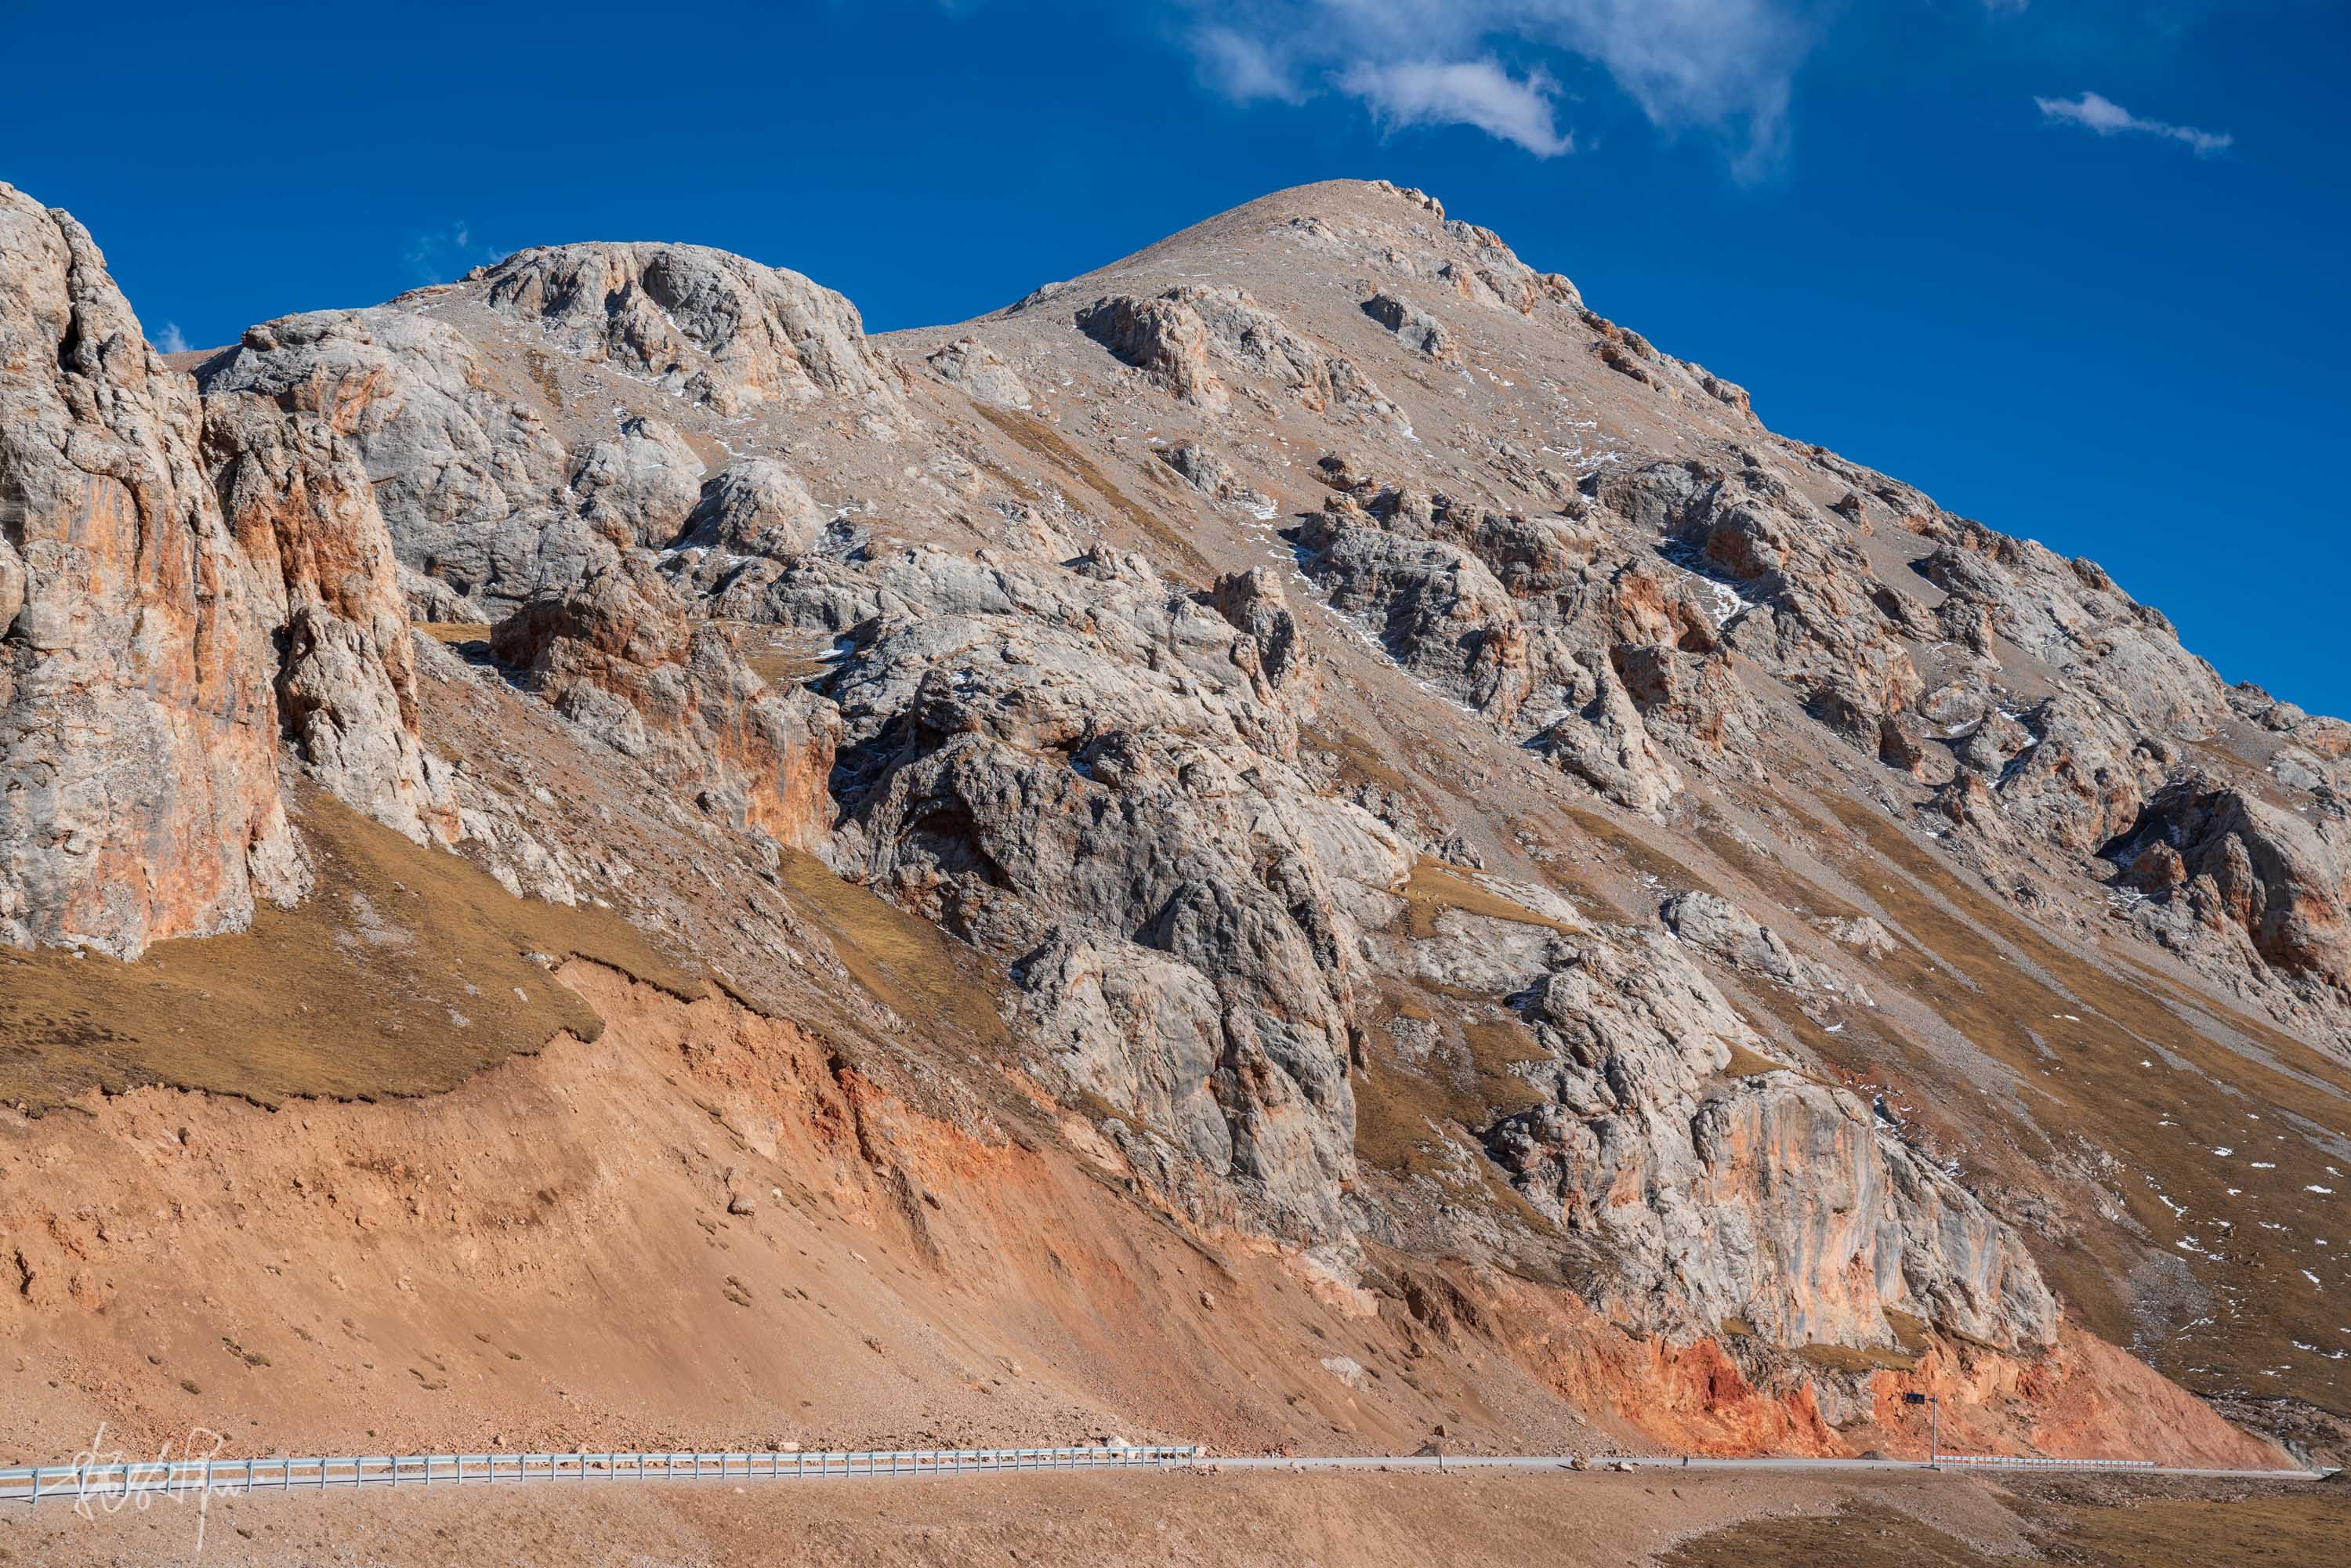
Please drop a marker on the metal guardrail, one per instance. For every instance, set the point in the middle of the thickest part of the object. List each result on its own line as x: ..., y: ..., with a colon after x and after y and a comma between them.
x: 2014, y: 1461
x: 197, y: 1477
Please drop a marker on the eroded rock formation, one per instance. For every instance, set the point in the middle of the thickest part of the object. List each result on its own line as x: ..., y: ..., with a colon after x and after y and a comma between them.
x: 618, y: 657
x: 139, y: 796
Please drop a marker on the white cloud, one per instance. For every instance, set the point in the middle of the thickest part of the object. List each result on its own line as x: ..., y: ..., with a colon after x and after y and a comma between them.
x: 171, y: 341
x: 2107, y: 118
x: 1723, y: 65
x: 1243, y: 67
x: 437, y: 255
x: 1463, y: 92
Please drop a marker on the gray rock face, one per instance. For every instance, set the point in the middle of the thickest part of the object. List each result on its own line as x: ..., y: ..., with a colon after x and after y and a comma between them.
x: 1771, y: 1199
x: 975, y: 367
x: 714, y: 327
x: 638, y: 487
x: 1508, y: 615
x: 1861, y: 933
x: 2232, y: 864
x: 618, y: 658
x: 469, y: 478
x: 753, y: 518
x: 1205, y: 472
x: 1188, y: 765
x: 1092, y: 775
x: 1191, y: 339
x: 2070, y: 614
x: 1416, y: 329
x: 139, y: 796
x: 1806, y: 601
x: 320, y: 564
x: 1716, y: 926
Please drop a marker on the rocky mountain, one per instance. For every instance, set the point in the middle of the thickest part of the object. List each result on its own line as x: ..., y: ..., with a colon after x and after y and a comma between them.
x: 1665, y: 929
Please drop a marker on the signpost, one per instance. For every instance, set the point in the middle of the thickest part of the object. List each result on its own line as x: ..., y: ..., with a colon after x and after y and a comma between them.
x: 1934, y: 1426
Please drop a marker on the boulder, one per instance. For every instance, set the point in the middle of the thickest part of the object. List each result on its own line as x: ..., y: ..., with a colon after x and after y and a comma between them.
x: 1413, y: 328
x: 972, y: 365
x: 1191, y: 337
x: 637, y: 486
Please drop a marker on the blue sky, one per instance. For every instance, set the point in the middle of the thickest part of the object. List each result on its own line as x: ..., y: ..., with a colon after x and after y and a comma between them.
x: 2073, y: 266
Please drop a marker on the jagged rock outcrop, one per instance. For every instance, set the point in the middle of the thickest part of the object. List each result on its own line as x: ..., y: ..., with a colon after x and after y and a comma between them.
x: 1808, y: 603
x: 1191, y: 337
x: 466, y: 471
x: 1431, y: 604
x: 2238, y: 864
x: 2071, y: 615
x: 976, y: 368
x: 1861, y: 933
x: 1723, y: 931
x: 1694, y: 701
x: 1602, y: 739
x: 1207, y: 783
x: 751, y: 521
x: 1164, y: 339
x: 321, y: 567
x: 639, y: 486
x: 1771, y: 1200
x: 1211, y: 475
x: 1416, y: 329
x: 1420, y: 573
x: 138, y: 793
x: 1092, y: 774
x: 618, y: 657
x: 717, y: 328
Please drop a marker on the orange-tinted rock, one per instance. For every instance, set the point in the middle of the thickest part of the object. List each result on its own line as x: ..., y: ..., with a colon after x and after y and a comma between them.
x: 138, y: 793
x: 321, y: 567
x: 618, y: 656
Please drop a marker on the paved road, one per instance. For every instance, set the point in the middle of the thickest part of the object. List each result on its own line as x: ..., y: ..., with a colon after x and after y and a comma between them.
x: 121, y: 1480
x: 1561, y: 1461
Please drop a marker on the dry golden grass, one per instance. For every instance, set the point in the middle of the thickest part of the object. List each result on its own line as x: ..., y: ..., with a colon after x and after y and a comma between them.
x: 2077, y: 1035
x: 2270, y: 1527
x: 456, y: 634
x: 1403, y: 1108
x: 1042, y: 440
x: 1640, y: 857
x: 1912, y: 1334
x: 1851, y: 1358
x: 1746, y: 1063
x: 779, y: 657
x: 909, y: 965
x: 403, y: 973
x: 1435, y: 887
x: 779, y: 668
x: 1360, y: 761
x: 1785, y: 887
